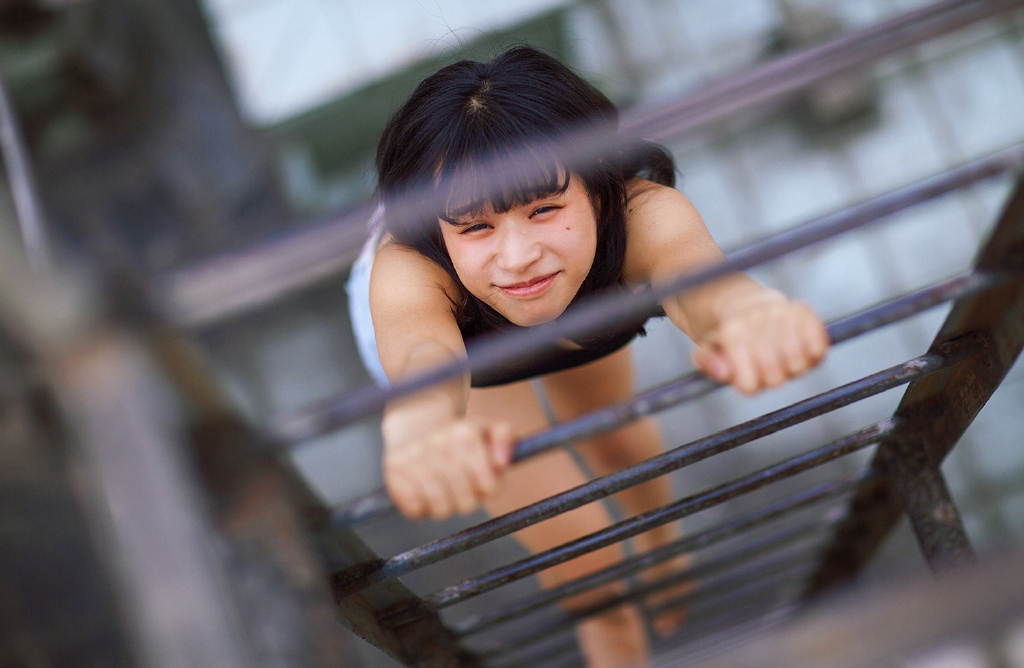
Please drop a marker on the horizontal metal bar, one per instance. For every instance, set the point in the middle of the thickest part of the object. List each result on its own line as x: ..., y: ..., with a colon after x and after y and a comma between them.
x: 789, y: 73
x: 757, y: 613
x: 640, y: 562
x: 250, y: 278
x: 757, y: 599
x: 637, y: 564
x: 776, y: 570
x: 598, y: 313
x: 691, y: 386
x: 348, y: 582
x: 659, y: 516
x: 775, y: 565
x: 696, y: 643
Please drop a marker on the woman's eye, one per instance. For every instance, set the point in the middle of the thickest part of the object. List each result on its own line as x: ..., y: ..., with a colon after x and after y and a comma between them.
x: 548, y: 208
x: 475, y: 227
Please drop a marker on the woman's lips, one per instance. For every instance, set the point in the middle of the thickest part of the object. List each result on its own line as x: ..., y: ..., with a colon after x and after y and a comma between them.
x: 529, y: 288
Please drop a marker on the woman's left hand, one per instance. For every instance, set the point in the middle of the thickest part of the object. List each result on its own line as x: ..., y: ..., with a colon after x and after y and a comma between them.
x: 762, y: 340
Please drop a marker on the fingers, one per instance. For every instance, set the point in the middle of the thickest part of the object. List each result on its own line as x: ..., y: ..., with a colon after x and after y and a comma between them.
x: 405, y: 493
x: 814, y: 334
x: 712, y: 363
x: 502, y: 441
x: 448, y: 471
x: 764, y: 346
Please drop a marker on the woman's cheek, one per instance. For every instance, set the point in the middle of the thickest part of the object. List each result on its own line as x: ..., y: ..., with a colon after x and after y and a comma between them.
x: 470, y: 264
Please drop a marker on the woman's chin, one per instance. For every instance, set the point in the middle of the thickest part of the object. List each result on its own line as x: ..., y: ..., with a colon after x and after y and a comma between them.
x: 531, y: 319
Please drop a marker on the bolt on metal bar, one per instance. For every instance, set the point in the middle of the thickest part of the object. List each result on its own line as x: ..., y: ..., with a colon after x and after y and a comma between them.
x: 653, y: 518
x: 601, y: 311
x: 687, y: 544
x: 23, y: 190
x: 346, y: 583
x: 691, y: 386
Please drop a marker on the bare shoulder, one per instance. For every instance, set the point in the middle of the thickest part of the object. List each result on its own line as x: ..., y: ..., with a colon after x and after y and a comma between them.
x: 665, y: 233
x: 408, y: 290
x: 399, y: 270
x: 412, y: 302
x: 652, y: 204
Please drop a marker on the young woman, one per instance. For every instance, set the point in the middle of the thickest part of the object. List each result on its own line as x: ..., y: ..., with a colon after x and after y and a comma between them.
x: 489, y: 259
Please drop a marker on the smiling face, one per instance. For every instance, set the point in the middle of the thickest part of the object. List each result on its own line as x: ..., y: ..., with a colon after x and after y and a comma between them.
x: 529, y: 262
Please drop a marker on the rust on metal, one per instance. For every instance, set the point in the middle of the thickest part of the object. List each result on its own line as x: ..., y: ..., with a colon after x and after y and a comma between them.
x: 940, y: 407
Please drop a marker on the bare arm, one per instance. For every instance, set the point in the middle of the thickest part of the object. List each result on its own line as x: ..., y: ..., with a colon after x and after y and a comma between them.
x: 747, y: 335
x: 436, y: 461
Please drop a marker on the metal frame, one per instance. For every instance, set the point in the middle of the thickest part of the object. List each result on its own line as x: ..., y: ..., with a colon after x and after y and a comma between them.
x: 219, y: 508
x: 960, y: 353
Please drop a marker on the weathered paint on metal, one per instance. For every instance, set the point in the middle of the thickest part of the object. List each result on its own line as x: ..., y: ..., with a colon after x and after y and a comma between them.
x: 939, y: 409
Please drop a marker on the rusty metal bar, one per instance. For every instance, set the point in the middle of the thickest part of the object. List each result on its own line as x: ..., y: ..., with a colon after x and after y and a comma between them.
x: 689, y: 387
x: 922, y: 488
x: 422, y: 641
x: 770, y: 574
x: 754, y: 603
x: 671, y: 460
x: 782, y: 567
x: 778, y: 565
x: 939, y: 409
x: 639, y: 563
x: 659, y: 516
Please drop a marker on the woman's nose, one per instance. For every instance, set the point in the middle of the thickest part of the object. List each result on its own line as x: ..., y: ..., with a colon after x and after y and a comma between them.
x: 517, y: 250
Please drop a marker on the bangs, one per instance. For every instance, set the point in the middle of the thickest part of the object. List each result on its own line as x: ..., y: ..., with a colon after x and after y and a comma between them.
x: 498, y: 179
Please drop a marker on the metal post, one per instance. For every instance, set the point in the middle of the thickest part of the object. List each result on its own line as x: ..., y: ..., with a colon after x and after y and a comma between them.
x: 937, y: 411
x: 922, y: 489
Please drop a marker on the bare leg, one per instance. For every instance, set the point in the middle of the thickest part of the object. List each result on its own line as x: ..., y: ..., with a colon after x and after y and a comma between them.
x: 615, y: 639
x: 607, y: 381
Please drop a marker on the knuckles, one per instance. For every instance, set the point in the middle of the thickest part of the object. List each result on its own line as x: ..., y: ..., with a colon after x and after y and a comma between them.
x: 770, y: 342
x: 440, y: 473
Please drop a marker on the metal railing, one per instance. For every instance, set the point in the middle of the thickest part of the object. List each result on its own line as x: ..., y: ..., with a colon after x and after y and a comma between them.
x: 100, y: 370
x: 979, y: 341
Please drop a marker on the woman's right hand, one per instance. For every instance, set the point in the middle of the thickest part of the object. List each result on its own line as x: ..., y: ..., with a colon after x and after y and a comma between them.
x: 439, y: 470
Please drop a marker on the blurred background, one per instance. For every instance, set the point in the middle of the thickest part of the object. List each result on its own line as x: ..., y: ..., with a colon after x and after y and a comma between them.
x: 167, y: 134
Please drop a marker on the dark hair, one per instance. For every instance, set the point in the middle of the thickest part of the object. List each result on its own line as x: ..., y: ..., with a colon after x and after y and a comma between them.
x: 472, y: 121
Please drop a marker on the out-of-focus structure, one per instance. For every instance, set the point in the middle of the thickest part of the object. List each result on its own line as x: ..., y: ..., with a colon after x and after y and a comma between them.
x: 188, y: 444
